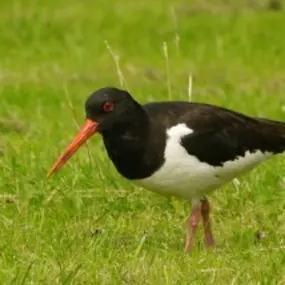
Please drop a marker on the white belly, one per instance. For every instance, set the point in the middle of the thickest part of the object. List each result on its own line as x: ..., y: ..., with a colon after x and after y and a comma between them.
x: 183, y: 175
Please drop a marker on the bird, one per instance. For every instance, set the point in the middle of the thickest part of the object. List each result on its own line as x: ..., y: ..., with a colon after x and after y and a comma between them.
x: 177, y: 148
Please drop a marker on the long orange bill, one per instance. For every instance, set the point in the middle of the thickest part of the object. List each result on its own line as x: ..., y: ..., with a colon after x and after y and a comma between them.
x: 86, y: 131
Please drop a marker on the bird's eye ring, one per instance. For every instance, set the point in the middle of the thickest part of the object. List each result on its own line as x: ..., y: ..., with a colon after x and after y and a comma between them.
x: 108, y: 106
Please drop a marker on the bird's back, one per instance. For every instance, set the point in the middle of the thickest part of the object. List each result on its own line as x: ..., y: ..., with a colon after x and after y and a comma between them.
x: 228, y: 132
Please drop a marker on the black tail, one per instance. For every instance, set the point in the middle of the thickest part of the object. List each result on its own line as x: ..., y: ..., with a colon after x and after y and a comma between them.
x: 274, y: 131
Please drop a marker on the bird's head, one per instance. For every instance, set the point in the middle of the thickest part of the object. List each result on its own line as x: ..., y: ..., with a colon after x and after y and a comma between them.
x: 103, y: 109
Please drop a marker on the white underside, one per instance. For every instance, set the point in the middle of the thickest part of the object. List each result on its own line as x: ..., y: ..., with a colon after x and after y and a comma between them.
x: 183, y: 175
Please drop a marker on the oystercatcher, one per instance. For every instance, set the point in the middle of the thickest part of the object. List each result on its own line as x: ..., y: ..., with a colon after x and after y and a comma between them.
x: 177, y: 148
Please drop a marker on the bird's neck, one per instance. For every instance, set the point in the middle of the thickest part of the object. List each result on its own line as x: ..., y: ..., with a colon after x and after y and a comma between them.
x: 127, y: 144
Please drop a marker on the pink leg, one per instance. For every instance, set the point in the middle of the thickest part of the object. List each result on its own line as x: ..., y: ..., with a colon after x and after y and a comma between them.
x: 193, y: 222
x: 205, y: 212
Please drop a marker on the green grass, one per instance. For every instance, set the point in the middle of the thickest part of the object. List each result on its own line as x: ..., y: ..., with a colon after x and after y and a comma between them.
x: 87, y: 225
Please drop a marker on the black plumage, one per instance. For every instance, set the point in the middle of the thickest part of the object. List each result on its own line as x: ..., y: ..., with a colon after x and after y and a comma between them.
x: 135, y: 135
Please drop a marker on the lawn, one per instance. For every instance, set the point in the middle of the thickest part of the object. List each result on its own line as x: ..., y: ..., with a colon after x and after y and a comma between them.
x: 87, y: 225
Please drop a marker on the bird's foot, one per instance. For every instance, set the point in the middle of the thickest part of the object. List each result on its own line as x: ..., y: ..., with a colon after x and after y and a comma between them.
x: 193, y: 223
x: 205, y: 213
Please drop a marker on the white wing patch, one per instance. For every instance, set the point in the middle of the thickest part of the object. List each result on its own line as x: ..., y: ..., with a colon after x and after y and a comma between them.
x: 177, y: 132
x: 184, y: 176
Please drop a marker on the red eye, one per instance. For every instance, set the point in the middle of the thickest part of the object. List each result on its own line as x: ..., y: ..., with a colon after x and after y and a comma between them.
x: 108, y: 106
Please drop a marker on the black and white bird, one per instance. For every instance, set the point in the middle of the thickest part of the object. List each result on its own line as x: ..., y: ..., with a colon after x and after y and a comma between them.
x: 177, y: 148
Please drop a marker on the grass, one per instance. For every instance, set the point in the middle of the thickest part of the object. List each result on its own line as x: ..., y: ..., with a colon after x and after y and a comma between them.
x: 90, y: 226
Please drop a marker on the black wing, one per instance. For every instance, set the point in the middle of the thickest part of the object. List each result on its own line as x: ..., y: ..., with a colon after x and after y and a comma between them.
x: 219, y: 134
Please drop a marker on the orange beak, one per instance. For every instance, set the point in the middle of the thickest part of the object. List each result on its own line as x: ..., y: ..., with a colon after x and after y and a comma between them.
x: 86, y: 131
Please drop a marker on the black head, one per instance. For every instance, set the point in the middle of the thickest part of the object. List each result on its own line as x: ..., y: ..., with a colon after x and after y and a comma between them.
x: 106, y: 109
x: 107, y: 106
